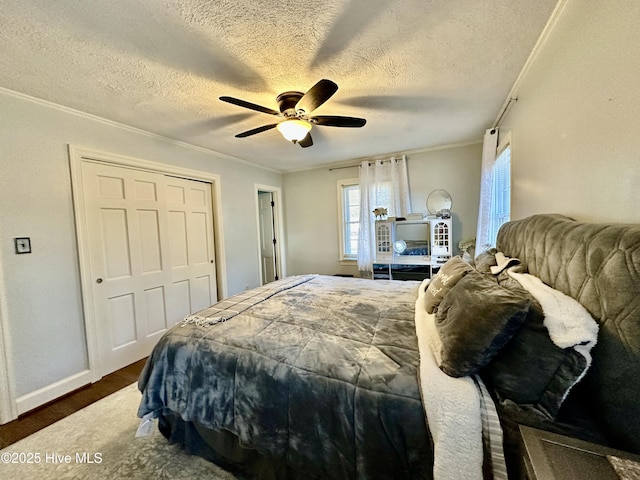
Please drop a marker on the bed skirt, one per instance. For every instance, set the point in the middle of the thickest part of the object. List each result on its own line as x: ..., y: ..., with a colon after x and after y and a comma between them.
x: 224, y: 449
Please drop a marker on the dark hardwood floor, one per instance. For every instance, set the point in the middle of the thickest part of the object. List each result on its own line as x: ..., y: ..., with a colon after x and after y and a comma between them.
x: 45, y: 415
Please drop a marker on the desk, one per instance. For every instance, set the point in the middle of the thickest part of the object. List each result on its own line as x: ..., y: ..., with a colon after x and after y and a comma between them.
x: 409, y: 268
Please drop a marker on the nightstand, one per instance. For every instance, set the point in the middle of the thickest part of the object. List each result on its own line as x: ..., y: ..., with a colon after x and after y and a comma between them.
x: 549, y: 456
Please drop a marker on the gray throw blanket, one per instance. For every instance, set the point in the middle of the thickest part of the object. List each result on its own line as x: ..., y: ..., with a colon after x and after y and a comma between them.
x: 232, y: 306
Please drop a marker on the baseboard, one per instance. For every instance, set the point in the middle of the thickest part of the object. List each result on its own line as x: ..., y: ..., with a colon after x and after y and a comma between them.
x: 57, y: 389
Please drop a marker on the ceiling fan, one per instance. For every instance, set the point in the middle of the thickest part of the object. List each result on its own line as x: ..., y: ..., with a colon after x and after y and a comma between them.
x: 295, y: 109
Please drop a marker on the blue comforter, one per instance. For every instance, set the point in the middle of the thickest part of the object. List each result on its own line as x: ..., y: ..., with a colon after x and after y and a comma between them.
x: 322, y: 375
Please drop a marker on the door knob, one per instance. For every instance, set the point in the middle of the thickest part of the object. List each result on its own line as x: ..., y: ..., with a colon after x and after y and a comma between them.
x: 99, y: 280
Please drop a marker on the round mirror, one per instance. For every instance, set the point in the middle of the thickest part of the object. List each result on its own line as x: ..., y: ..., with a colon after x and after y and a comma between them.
x: 438, y: 200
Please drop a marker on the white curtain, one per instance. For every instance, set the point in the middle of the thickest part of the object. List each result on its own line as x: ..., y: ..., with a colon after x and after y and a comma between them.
x: 383, y: 183
x: 489, y: 147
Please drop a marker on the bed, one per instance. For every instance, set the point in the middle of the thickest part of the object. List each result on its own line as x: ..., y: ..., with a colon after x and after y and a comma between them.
x: 331, y: 377
x: 294, y: 379
x: 598, y: 265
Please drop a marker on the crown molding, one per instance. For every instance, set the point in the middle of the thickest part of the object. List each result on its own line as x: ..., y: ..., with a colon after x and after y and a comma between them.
x: 129, y: 128
x: 546, y: 31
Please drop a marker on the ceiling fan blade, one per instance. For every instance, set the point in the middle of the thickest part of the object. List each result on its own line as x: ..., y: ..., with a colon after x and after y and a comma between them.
x: 317, y: 95
x: 306, y: 141
x: 337, y: 121
x: 253, y: 131
x: 252, y: 106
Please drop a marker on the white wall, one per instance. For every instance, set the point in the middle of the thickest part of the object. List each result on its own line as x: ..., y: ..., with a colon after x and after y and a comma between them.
x: 311, y: 204
x: 311, y: 217
x: 456, y: 170
x: 41, y: 299
x: 575, y: 127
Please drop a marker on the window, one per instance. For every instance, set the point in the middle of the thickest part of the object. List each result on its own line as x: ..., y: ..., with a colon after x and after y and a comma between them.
x: 501, y: 195
x: 349, y: 217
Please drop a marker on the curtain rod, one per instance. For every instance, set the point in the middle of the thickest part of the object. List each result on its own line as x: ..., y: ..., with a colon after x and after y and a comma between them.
x: 495, y: 125
x: 371, y: 160
x: 504, y: 110
x: 346, y: 166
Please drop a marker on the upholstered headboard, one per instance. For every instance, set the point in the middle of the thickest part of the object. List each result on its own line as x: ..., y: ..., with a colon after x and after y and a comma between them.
x: 598, y: 265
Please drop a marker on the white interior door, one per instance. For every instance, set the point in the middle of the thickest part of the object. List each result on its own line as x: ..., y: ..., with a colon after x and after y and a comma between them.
x: 190, y: 238
x: 145, y: 237
x: 267, y: 237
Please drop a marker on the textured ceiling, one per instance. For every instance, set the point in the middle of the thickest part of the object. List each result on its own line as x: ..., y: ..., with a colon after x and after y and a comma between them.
x: 424, y: 73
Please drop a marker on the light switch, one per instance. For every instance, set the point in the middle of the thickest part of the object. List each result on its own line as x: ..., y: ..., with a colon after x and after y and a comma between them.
x: 23, y: 245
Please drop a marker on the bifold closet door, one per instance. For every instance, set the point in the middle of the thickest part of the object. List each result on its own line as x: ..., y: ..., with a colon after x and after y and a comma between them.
x: 190, y: 235
x: 152, y: 257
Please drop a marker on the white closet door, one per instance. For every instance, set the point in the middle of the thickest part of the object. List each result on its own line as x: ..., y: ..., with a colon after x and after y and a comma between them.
x: 190, y: 219
x: 134, y: 246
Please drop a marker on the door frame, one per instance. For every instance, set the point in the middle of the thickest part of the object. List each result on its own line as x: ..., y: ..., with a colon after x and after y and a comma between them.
x: 78, y: 155
x: 281, y: 263
x: 8, y: 407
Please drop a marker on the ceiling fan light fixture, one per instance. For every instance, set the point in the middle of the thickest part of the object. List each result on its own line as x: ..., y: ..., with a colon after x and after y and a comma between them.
x: 294, y: 130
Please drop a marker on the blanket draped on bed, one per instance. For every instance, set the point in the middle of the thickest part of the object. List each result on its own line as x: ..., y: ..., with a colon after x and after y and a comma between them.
x: 230, y: 307
x: 462, y: 418
x: 322, y: 375
x: 570, y: 325
x: 568, y: 322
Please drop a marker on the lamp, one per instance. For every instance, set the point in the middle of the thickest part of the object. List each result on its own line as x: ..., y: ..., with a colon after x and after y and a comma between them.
x: 294, y: 129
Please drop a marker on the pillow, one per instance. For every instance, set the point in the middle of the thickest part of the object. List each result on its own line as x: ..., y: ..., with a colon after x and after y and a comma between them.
x: 475, y: 320
x: 485, y: 260
x: 448, y: 275
x: 531, y: 369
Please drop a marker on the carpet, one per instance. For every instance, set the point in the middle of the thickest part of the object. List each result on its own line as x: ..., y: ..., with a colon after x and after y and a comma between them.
x: 99, y: 442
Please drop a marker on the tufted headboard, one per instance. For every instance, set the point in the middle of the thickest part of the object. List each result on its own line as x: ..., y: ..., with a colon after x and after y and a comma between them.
x: 598, y: 265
